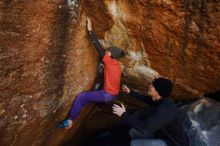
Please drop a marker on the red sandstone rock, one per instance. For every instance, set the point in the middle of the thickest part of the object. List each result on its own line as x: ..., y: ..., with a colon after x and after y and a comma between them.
x: 46, y: 58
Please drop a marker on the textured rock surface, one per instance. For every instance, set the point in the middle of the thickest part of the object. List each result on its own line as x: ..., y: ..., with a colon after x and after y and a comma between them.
x: 202, y: 122
x: 46, y: 58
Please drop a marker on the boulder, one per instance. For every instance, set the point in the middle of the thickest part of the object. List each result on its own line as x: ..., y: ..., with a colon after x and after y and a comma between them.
x: 46, y: 58
x: 202, y: 122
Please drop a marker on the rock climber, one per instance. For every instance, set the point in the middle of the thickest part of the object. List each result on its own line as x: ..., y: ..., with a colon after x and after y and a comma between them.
x: 112, y: 76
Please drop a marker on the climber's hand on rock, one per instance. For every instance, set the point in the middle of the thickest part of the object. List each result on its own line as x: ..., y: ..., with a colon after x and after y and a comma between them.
x: 118, y: 110
x: 89, y: 24
x: 126, y: 89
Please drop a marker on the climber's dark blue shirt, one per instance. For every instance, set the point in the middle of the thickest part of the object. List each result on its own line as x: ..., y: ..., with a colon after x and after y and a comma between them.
x: 164, y: 121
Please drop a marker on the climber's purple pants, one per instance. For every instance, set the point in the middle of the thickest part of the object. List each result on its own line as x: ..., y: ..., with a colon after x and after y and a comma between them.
x: 85, y: 98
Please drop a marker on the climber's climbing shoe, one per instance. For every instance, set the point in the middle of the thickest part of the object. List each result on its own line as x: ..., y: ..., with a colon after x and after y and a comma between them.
x: 63, y: 124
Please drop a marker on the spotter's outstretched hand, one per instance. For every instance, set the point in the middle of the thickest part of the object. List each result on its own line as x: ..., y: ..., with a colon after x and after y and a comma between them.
x: 118, y: 110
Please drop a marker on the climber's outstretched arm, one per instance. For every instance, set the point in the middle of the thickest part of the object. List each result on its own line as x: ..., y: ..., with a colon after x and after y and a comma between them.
x: 94, y: 39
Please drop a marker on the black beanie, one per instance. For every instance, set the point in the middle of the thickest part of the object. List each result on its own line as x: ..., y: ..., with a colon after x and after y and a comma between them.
x: 116, y: 52
x: 163, y: 86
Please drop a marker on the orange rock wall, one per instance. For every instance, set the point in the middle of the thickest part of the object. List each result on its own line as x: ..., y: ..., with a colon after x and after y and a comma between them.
x: 46, y: 58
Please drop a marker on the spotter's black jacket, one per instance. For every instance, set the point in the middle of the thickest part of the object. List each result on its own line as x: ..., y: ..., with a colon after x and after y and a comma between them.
x: 164, y: 121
